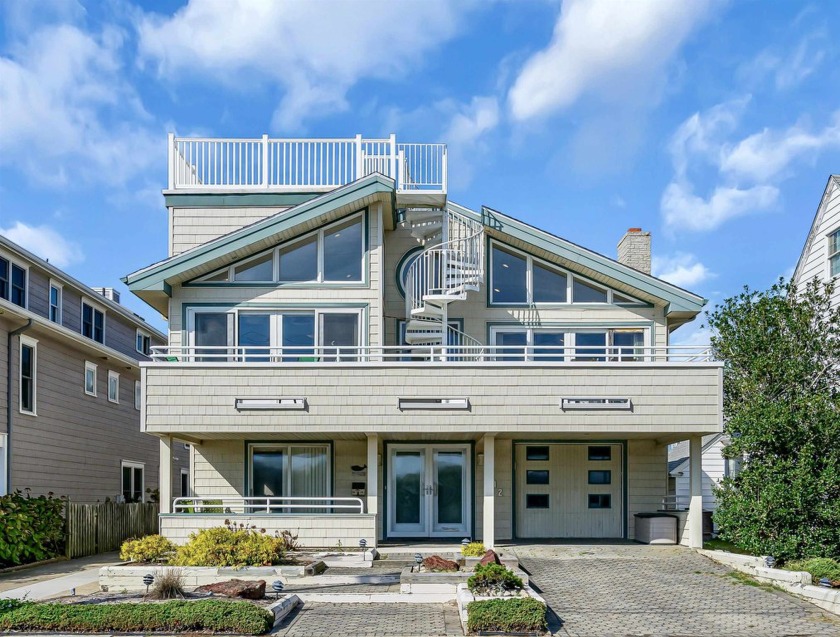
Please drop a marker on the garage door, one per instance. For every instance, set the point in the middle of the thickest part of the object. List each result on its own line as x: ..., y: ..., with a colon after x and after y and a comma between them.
x: 569, y: 490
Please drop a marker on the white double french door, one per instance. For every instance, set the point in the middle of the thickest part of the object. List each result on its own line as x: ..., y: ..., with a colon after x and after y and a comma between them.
x: 429, y: 490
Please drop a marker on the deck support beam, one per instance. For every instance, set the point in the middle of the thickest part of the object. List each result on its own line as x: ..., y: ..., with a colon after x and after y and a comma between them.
x: 695, y: 509
x: 165, y: 485
x: 489, y: 513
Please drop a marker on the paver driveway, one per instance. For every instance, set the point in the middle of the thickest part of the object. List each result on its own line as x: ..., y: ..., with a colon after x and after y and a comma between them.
x: 629, y: 589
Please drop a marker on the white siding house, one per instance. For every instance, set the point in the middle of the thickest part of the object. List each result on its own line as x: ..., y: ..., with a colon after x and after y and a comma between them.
x: 352, y: 355
x: 820, y: 258
x: 715, y: 469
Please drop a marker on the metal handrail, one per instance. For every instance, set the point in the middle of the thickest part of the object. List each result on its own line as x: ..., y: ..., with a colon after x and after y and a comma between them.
x: 500, y: 354
x: 675, y: 502
x: 266, y: 504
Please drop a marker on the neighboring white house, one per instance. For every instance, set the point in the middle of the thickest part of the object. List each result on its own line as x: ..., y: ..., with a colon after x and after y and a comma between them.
x: 353, y: 356
x: 715, y: 469
x: 820, y: 258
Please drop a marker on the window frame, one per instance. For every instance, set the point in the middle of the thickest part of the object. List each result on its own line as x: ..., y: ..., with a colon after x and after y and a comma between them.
x: 59, y: 307
x: 147, y: 340
x: 286, y: 448
x: 833, y: 257
x: 361, y: 217
x: 114, y: 375
x: 95, y: 307
x: 551, y: 267
x: 569, y: 341
x: 31, y: 343
x: 133, y: 464
x: 11, y: 264
x: 89, y: 366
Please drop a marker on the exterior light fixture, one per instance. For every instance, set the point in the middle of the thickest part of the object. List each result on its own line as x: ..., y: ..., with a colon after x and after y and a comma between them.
x: 148, y: 580
x: 419, y: 559
x: 433, y: 403
x: 770, y: 561
x: 363, y: 546
x: 244, y: 404
x: 277, y: 587
x: 465, y: 541
x: 825, y: 582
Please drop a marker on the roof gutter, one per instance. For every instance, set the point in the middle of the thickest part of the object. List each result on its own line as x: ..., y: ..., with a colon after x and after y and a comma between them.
x: 9, y: 410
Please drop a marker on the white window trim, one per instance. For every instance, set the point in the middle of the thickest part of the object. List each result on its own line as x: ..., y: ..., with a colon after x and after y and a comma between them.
x: 286, y: 447
x: 93, y: 367
x: 134, y: 465
x: 137, y: 334
x: 138, y: 395
x: 568, y: 332
x: 319, y: 249
x: 113, y: 374
x: 97, y: 307
x: 23, y: 266
x: 59, y: 315
x: 185, y: 472
x: 570, y: 276
x: 33, y: 343
x: 831, y: 255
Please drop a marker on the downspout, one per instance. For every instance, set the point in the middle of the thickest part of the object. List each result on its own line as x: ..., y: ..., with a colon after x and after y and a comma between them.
x: 11, y: 335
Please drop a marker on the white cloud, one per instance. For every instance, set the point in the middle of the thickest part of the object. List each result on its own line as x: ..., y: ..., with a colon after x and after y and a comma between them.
x: 315, y: 51
x: 681, y: 269
x: 616, y: 50
x: 68, y: 113
x: 681, y: 208
x: 787, y: 68
x: 470, y: 122
x: 766, y: 155
x: 45, y: 243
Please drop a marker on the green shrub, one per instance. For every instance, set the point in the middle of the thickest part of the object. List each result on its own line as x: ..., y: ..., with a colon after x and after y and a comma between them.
x: 32, y: 528
x: 473, y: 549
x: 205, y: 615
x: 519, y: 614
x: 7, y: 604
x: 152, y: 548
x: 818, y: 567
x: 493, y: 579
x: 229, y: 546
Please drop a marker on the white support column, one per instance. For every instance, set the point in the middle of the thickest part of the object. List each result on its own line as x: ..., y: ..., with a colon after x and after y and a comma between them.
x: 489, y: 527
x: 695, y: 510
x: 373, y: 473
x: 165, y: 485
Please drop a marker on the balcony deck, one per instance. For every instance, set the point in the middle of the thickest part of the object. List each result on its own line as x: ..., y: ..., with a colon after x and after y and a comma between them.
x: 271, y: 165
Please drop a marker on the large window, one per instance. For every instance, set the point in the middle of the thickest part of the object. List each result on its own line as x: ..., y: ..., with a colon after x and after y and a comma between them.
x: 517, y: 278
x: 834, y: 253
x: 132, y: 481
x: 93, y: 322
x: 13, y: 282
x: 333, y: 254
x: 290, y: 470
x: 272, y: 335
x: 569, y: 344
x: 28, y: 370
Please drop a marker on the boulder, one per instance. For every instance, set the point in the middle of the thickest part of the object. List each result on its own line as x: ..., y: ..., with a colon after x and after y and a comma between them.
x: 438, y: 564
x: 236, y: 588
x: 490, y: 557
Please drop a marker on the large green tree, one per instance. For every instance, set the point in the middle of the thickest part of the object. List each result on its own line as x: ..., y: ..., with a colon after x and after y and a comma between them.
x: 781, y: 354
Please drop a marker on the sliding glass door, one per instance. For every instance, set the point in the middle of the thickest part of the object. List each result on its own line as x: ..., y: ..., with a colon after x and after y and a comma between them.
x: 290, y: 470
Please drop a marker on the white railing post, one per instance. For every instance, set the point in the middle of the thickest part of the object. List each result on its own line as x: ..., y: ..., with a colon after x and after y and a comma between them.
x: 265, y: 161
x: 444, y: 170
x: 393, y: 153
x: 359, y: 172
x: 171, y: 157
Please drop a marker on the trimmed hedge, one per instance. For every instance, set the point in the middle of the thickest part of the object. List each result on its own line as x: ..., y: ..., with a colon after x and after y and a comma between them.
x: 32, y: 528
x: 209, y: 615
x: 151, y: 548
x: 229, y: 546
x: 512, y: 615
x: 493, y: 579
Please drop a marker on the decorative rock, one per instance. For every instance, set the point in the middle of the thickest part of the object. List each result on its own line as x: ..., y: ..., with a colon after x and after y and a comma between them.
x: 438, y: 564
x: 236, y: 588
x: 490, y: 557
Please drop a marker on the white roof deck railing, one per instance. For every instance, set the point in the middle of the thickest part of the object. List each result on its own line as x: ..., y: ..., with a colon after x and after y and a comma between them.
x: 263, y: 504
x: 467, y: 354
x: 279, y: 165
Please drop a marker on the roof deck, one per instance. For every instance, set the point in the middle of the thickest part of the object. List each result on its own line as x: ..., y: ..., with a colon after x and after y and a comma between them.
x: 228, y: 165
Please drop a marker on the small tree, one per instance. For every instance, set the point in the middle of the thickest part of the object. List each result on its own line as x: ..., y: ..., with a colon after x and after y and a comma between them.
x: 781, y: 351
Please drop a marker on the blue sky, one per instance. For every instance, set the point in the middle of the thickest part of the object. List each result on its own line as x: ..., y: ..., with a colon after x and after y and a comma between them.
x: 714, y: 125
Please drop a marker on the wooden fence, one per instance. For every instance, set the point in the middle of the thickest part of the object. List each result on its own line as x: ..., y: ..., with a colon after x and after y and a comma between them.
x: 102, y: 527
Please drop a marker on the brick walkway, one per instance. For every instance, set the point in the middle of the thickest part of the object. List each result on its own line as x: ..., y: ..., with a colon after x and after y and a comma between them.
x: 371, y: 620
x: 635, y: 590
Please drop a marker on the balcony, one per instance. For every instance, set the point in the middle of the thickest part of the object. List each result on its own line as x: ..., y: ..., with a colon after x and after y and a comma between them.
x: 306, y: 165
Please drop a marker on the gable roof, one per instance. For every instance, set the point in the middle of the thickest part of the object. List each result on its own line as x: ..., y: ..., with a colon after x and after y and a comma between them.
x: 679, y: 302
x: 153, y: 283
x: 833, y: 181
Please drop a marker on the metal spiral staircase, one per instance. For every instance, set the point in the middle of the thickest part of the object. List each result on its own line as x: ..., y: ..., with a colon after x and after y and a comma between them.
x: 450, y: 266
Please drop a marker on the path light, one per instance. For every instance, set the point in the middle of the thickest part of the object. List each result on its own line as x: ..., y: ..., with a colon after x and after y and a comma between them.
x: 277, y: 587
x: 363, y: 546
x: 825, y: 582
x: 148, y: 580
x: 419, y: 559
x: 465, y: 541
x: 770, y: 561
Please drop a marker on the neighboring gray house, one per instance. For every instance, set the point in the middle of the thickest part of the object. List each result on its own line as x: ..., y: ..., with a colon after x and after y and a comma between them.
x: 352, y: 355
x: 820, y: 258
x: 715, y: 469
x: 70, y: 399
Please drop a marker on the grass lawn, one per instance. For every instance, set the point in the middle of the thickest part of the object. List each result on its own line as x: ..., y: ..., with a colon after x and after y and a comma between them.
x: 722, y: 545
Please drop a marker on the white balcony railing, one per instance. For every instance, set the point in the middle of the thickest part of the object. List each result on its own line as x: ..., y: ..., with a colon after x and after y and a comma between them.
x: 261, y: 505
x: 500, y: 355
x: 303, y: 164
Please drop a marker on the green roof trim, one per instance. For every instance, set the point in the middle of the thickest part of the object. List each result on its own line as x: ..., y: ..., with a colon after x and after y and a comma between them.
x: 233, y: 200
x: 677, y: 299
x: 155, y: 277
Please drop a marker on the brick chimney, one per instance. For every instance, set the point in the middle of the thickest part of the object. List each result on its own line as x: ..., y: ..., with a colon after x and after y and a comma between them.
x: 634, y: 249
